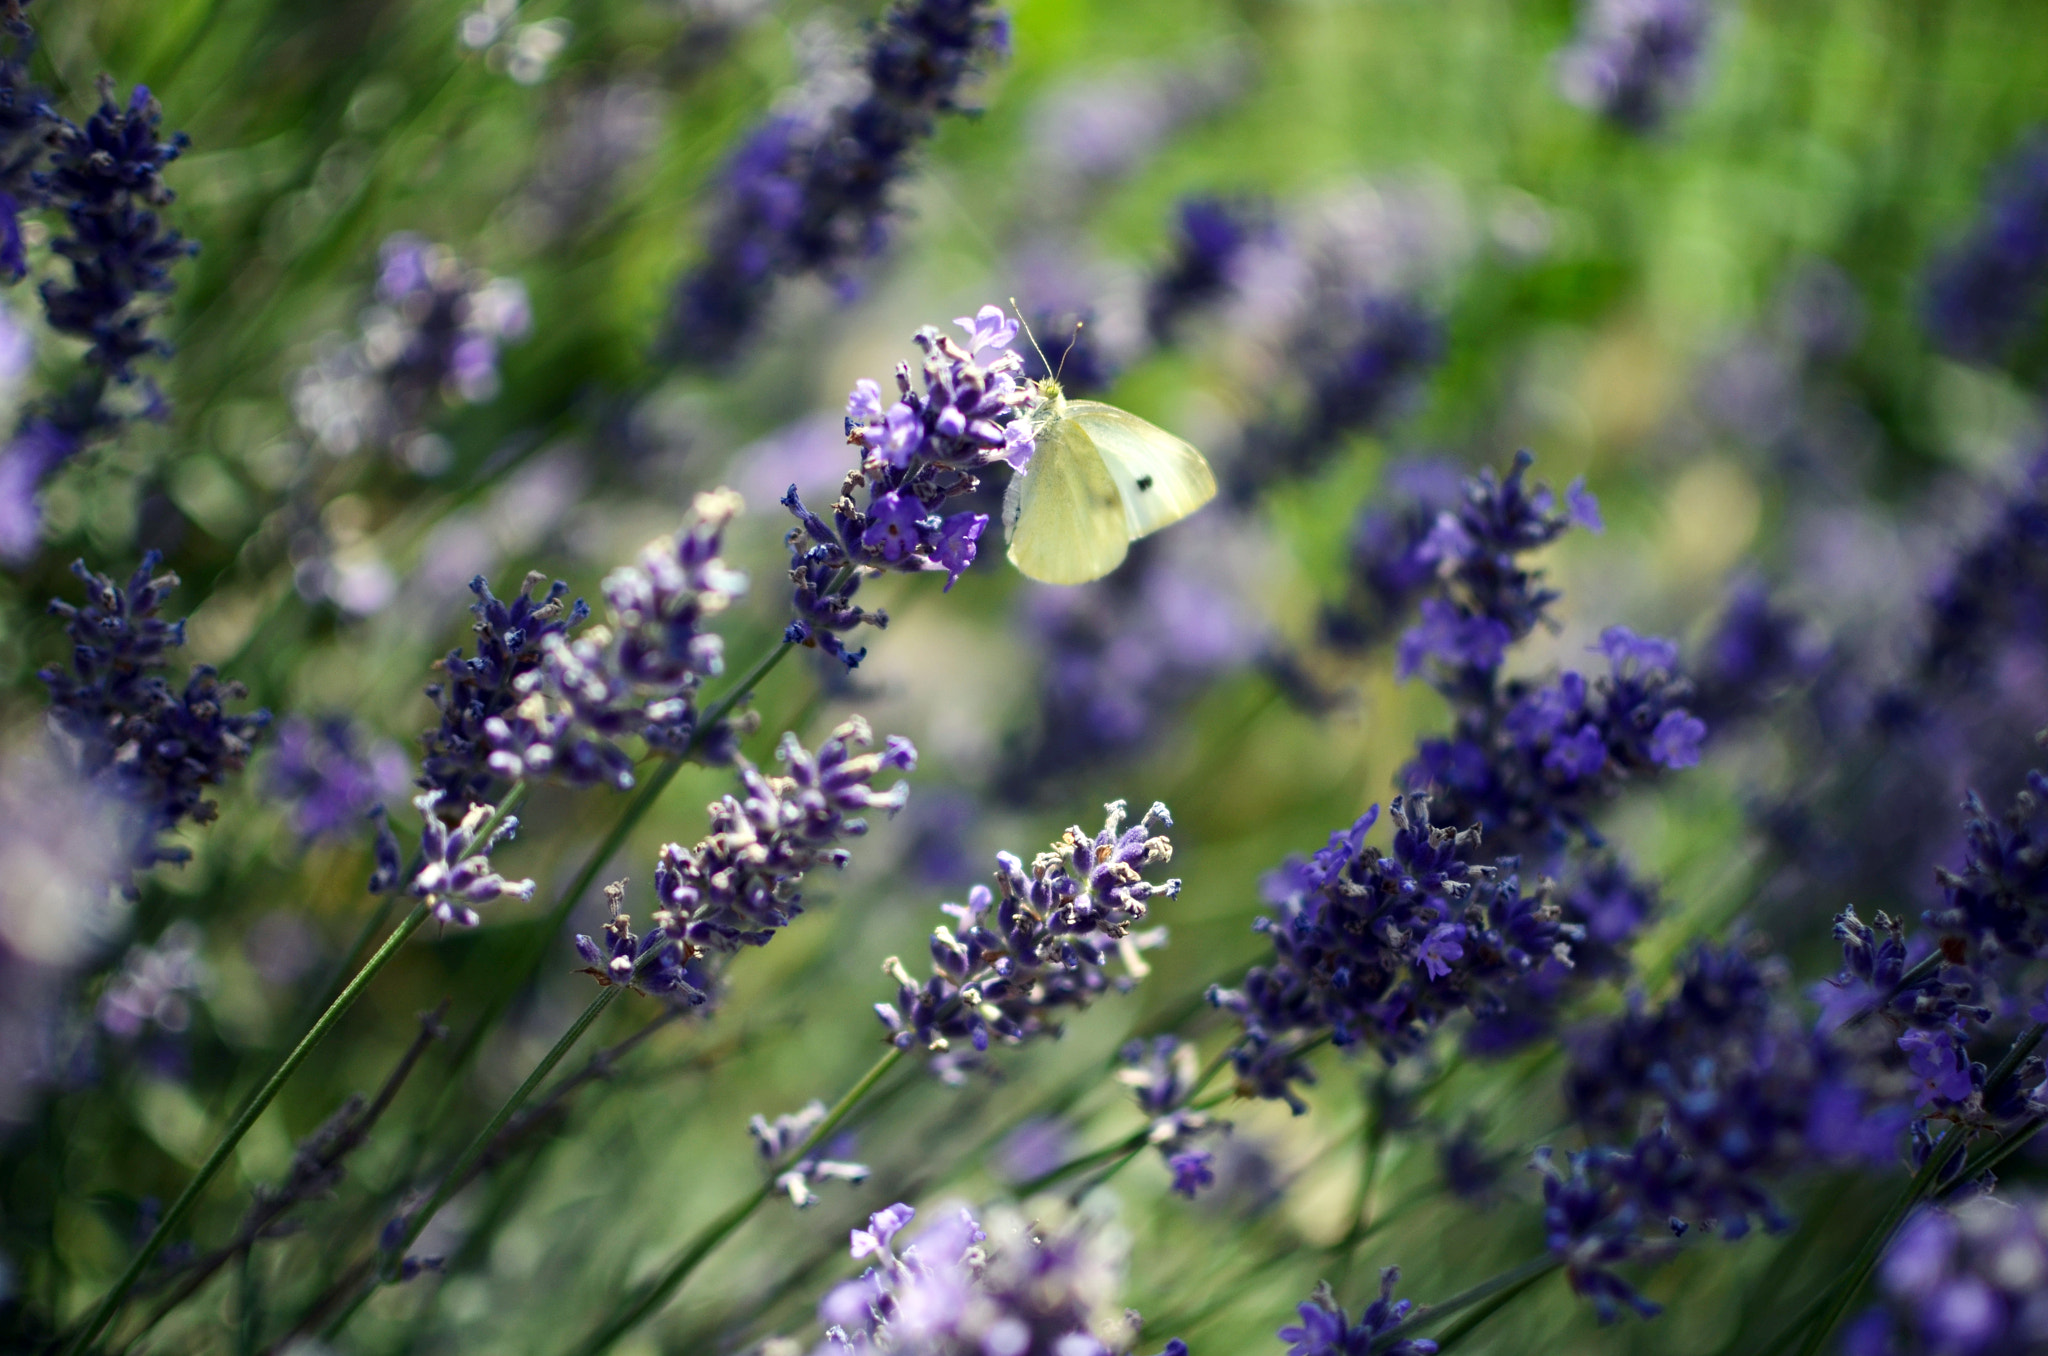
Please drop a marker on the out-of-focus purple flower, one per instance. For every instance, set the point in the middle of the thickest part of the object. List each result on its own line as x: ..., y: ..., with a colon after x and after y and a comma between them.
x: 742, y: 884
x: 1754, y: 653
x: 1006, y: 965
x: 1392, y: 560
x: 156, y: 986
x: 1046, y: 1284
x: 323, y: 769
x: 1985, y: 290
x: 38, y: 448
x: 1326, y: 1330
x: 153, y: 748
x: 810, y: 194
x: 1999, y: 899
x: 1591, y: 1225
x: 1635, y: 61
x: 780, y: 1138
x: 1965, y: 1281
x: 432, y: 338
x: 1210, y: 234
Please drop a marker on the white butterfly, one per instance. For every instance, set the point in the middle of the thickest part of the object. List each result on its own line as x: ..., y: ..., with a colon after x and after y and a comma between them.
x: 1100, y: 479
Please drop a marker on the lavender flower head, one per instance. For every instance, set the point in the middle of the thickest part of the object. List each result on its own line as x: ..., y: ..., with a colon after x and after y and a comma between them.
x: 156, y: 986
x: 1635, y: 62
x: 454, y: 868
x: 152, y: 747
x: 925, y: 449
x: 1379, y: 950
x: 810, y: 194
x: 1045, y: 1284
x: 1326, y: 1330
x: 1044, y: 944
x: 1998, y: 900
x: 742, y: 884
x: 1985, y: 290
x: 1210, y: 237
x: 1962, y: 1282
x: 635, y: 676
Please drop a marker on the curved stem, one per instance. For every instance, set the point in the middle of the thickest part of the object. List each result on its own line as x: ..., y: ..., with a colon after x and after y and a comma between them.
x: 110, y: 1303
x: 458, y: 1175
x: 671, y: 1278
x: 1510, y: 1281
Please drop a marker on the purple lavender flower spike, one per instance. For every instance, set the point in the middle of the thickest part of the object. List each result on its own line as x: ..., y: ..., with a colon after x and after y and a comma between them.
x: 811, y: 194
x: 150, y: 747
x: 1984, y: 291
x: 1635, y: 61
x: 1210, y: 235
x: 1964, y: 1281
x: 925, y: 450
x: 780, y: 1138
x: 742, y: 884
x: 1041, y: 944
x: 454, y: 870
x: 1326, y: 1330
x: 323, y: 769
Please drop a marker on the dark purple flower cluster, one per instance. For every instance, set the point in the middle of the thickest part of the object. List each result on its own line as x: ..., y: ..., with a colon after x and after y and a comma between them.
x: 1971, y: 1281
x: 25, y: 129
x: 1592, y: 1223
x: 1043, y: 1285
x: 1004, y: 964
x: 453, y: 870
x: 1985, y: 291
x: 1378, y: 950
x: 743, y: 884
x: 637, y: 676
x: 151, y: 747
x: 509, y: 645
x: 811, y: 195
x: 1754, y: 654
x: 1635, y: 61
x: 1393, y: 560
x: 1365, y: 358
x: 1326, y: 1330
x: 1210, y: 236
x: 1996, y: 588
x: 1725, y: 1088
x: 107, y: 176
x: 324, y: 771
x: 923, y: 450
x: 1998, y: 901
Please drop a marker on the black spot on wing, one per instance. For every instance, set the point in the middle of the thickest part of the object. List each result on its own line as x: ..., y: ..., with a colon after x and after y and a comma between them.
x: 1144, y: 482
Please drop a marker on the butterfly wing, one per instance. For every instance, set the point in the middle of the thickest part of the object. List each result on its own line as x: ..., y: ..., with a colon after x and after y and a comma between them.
x: 1160, y: 478
x: 1064, y: 518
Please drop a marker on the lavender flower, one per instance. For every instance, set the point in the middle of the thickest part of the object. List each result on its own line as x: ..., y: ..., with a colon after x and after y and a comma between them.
x: 1162, y: 1079
x: 26, y: 123
x: 637, y: 676
x: 1985, y: 290
x: 38, y: 448
x: 1210, y: 235
x: 108, y: 178
x: 1379, y: 950
x: 1393, y: 558
x: 1961, y: 1282
x: 1005, y: 964
x: 782, y: 1137
x: 1996, y: 588
x: 925, y: 449
x: 653, y: 963
x: 1635, y: 61
x: 454, y: 869
x: 432, y: 338
x: 150, y: 747
x: 155, y: 987
x: 1326, y: 1330
x: 810, y: 195
x: 1363, y: 358
x: 1591, y: 1224
x: 1039, y: 1285
x: 1998, y: 901
x: 322, y: 769
x: 509, y: 645
x: 742, y: 884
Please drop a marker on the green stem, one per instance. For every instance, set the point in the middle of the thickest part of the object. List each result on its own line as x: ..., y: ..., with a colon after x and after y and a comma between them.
x: 1463, y: 1328
x: 656, y: 1294
x: 1998, y: 1153
x: 739, y: 691
x: 110, y: 1303
x: 1510, y: 1280
x: 458, y: 1176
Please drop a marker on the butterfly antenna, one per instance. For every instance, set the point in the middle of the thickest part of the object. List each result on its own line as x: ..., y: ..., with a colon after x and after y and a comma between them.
x: 1032, y: 337
x: 1070, y: 348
